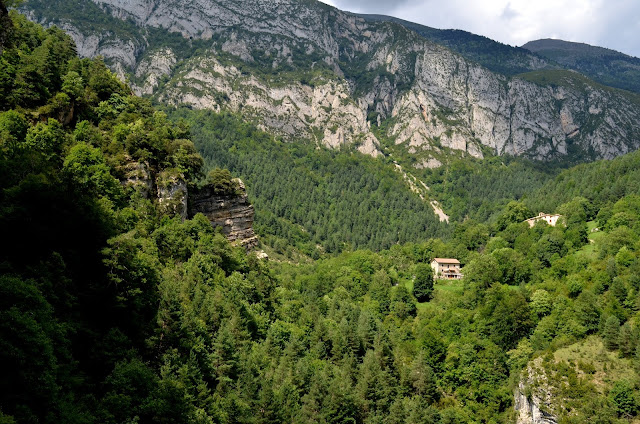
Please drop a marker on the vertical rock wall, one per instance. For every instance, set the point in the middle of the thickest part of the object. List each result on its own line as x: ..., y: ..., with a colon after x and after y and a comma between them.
x: 232, y: 212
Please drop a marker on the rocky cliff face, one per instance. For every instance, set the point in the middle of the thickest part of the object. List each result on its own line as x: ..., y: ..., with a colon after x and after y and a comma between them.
x: 305, y: 70
x: 172, y: 194
x: 232, y: 212
x: 533, y: 397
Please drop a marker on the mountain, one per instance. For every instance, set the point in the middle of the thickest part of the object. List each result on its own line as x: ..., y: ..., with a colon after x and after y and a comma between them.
x: 306, y: 71
x: 495, y: 56
x: 603, y: 65
x: 121, y: 303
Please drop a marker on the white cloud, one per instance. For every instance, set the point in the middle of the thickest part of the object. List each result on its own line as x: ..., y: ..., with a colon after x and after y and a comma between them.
x: 614, y: 23
x: 369, y: 6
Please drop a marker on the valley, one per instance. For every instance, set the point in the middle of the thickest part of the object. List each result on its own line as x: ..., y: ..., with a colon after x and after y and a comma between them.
x: 227, y: 212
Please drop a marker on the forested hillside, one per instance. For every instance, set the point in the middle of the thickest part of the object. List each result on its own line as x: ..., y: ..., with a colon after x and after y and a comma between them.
x: 113, y: 309
x: 602, y: 182
x: 309, y: 196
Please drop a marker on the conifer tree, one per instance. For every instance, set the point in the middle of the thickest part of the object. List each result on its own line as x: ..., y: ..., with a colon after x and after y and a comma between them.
x: 611, y: 332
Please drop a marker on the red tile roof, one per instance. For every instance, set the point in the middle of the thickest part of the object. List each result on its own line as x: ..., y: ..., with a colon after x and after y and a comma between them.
x: 446, y: 261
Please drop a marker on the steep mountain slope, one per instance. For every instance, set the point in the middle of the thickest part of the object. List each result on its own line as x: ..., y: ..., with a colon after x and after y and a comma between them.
x: 495, y: 56
x: 307, y: 71
x: 603, y: 65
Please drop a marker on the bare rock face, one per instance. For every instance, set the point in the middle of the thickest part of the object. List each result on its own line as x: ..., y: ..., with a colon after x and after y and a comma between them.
x: 138, y: 176
x: 172, y: 193
x: 430, y: 98
x: 533, y: 397
x: 152, y: 68
x: 232, y: 212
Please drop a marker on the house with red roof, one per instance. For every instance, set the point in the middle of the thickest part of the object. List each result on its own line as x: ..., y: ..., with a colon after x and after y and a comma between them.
x: 446, y: 268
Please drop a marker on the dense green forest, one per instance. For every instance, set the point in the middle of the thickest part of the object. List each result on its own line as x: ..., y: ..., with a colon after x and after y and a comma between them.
x: 308, y: 196
x: 113, y: 310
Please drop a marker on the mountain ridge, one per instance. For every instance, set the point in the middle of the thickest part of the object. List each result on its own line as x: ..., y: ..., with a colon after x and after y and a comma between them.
x: 480, y: 49
x: 601, y: 64
x: 312, y: 72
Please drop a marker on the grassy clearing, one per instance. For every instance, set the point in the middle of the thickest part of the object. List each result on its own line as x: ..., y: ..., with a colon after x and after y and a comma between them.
x: 589, y: 250
x: 444, y: 291
x: 594, y: 361
x: 451, y: 286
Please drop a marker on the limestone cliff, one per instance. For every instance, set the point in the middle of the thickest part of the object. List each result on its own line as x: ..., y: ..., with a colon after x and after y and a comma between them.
x: 303, y: 69
x: 232, y: 212
x: 533, y: 397
x: 172, y: 193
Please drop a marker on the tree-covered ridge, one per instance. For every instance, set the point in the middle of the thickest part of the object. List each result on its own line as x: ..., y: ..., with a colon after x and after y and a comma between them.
x: 602, y: 182
x: 307, y: 196
x: 479, y: 189
x: 498, y: 57
x: 601, y: 64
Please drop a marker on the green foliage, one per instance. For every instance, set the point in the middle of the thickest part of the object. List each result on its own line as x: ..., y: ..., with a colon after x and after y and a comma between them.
x: 601, y: 183
x: 423, y: 282
x: 541, y: 302
x: 221, y: 182
x: 506, y: 316
x: 86, y: 166
x: 482, y: 189
x: 513, y: 267
x: 29, y: 338
x: 402, y: 304
x: 513, y: 213
x: 31, y: 70
x: 111, y: 311
x: 625, y: 399
x: 611, y: 332
x: 603, y: 65
x: 482, y: 272
x: 307, y: 196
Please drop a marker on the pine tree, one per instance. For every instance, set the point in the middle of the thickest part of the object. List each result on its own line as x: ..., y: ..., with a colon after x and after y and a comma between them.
x: 611, y: 332
x: 627, y: 341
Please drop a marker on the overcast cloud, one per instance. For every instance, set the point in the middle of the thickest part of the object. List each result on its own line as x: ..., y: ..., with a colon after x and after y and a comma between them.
x: 614, y: 24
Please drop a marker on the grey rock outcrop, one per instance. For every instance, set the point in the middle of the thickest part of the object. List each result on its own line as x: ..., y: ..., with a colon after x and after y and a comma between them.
x: 533, y: 397
x: 357, y: 73
x: 137, y: 175
x: 172, y: 194
x: 152, y: 68
x: 232, y: 212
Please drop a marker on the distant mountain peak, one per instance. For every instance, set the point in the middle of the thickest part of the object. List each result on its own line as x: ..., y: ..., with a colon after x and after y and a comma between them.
x: 603, y: 65
x: 584, y: 49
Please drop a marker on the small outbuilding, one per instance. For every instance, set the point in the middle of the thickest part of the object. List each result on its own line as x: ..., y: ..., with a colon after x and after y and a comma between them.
x: 546, y: 217
x: 446, y: 268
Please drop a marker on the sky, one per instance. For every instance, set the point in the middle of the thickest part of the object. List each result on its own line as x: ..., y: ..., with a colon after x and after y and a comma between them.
x: 614, y: 23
